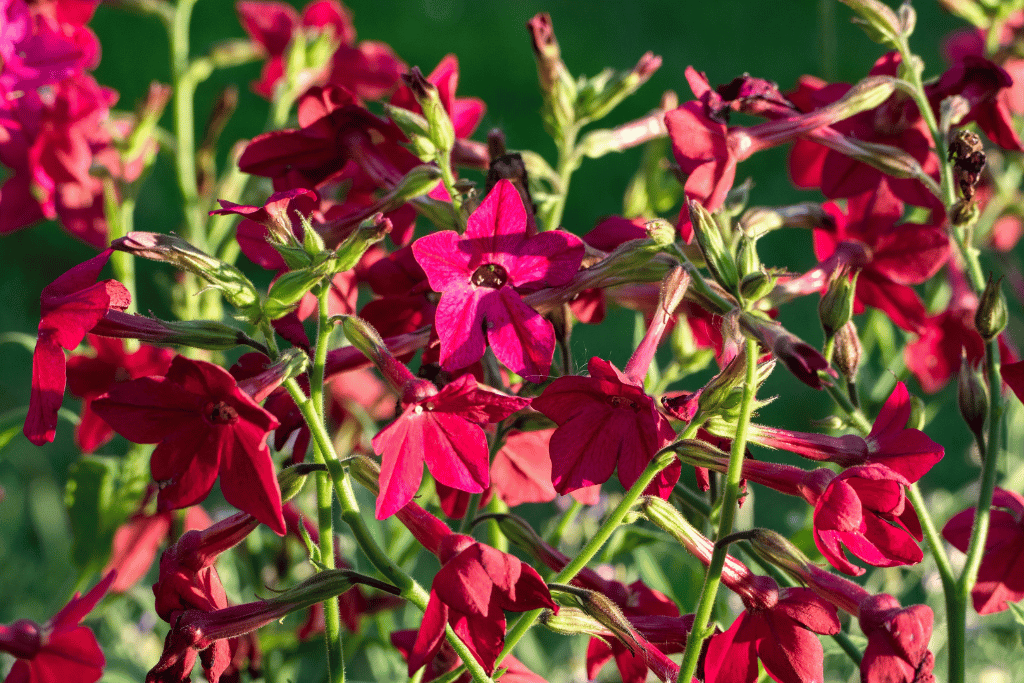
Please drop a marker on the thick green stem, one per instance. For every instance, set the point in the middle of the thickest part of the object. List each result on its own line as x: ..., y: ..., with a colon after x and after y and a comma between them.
x: 568, y: 162
x: 730, y: 499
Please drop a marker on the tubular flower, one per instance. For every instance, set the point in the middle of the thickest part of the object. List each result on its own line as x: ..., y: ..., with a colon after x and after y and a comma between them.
x: 482, y: 275
x: 61, y: 649
x: 204, y: 425
x: 897, y: 650
x: 71, y: 306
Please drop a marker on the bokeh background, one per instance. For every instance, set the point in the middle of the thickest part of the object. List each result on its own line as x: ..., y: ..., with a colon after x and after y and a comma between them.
x: 724, y: 38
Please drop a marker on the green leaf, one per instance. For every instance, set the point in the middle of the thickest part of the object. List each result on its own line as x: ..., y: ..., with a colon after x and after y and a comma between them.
x: 92, y: 506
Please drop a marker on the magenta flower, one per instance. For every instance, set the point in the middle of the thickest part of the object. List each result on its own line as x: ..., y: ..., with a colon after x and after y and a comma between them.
x: 205, y: 426
x: 60, y: 649
x: 777, y: 628
x: 471, y: 591
x: 481, y: 276
x: 604, y: 421
x: 897, y: 650
x: 1001, y: 575
x: 908, y: 452
x: 71, y: 306
x: 443, y: 429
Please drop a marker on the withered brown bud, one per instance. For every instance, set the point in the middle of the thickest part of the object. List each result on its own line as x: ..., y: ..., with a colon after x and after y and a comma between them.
x: 847, y: 352
x: 967, y: 154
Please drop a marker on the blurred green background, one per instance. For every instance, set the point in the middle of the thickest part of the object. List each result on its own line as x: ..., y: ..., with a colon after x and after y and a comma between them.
x: 724, y: 38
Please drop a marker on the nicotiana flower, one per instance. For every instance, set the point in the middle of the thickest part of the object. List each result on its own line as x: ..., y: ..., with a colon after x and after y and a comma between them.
x: 61, y: 649
x: 482, y: 275
x: 897, y: 650
x: 204, y: 425
x: 71, y: 306
x: 1001, y: 574
x: 471, y: 591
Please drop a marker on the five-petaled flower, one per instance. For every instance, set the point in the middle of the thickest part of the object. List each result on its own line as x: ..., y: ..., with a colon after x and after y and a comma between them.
x: 475, y: 584
x: 482, y: 275
x: 61, y: 649
x: 205, y: 426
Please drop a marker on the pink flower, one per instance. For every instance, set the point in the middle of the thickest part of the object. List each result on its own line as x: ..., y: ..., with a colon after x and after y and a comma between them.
x: 71, y: 306
x: 471, y: 591
x: 205, y: 426
x: 60, y: 649
x: 443, y: 429
x: 908, y: 452
x: 1001, y: 575
x: 481, y: 276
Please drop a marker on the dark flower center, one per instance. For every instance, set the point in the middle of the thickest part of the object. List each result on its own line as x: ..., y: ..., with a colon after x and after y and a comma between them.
x: 623, y: 402
x: 489, y: 275
x: 220, y: 413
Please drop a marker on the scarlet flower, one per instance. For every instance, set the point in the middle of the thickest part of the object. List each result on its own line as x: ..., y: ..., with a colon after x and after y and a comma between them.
x: 481, y: 276
x: 441, y: 428
x: 204, y: 425
x: 986, y: 87
x: 1001, y: 575
x: 71, y: 306
x: 278, y: 217
x: 897, y: 650
x: 446, y: 661
x: 604, y: 420
x: 776, y: 628
x: 475, y: 584
x: 60, y: 649
x: 908, y: 452
x: 91, y: 376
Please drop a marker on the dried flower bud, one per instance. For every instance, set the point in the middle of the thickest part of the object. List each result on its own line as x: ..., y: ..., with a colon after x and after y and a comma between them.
x: 991, y: 317
x: 966, y: 151
x: 964, y: 212
x: 846, y: 354
x: 972, y: 398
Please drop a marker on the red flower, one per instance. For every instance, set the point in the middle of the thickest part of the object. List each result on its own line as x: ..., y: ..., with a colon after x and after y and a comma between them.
x: 481, y: 276
x: 475, y: 584
x: 604, y: 420
x: 60, y: 649
x: 71, y: 306
x: 443, y: 429
x: 447, y: 661
x: 776, y: 628
x: 986, y: 87
x: 204, y: 425
x: 91, y: 376
x: 279, y: 217
x: 1001, y: 575
x: 908, y: 452
x: 465, y: 112
x: 897, y: 650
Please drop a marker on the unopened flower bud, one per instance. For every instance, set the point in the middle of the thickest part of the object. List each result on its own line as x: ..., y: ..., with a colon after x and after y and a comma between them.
x: 666, y: 517
x: 847, y: 352
x: 991, y: 316
x: 556, y: 83
x: 364, y: 337
x: 369, y: 232
x: 288, y: 289
x: 746, y: 257
x: 291, y: 363
x: 606, y: 91
x: 603, y: 610
x: 879, y: 22
x: 570, y: 621
x: 972, y: 398
x: 756, y: 285
x: 291, y: 479
x: 715, y: 394
x: 760, y: 220
x: 442, y: 132
x: 709, y: 238
x: 918, y: 412
x: 519, y: 532
x: 235, y: 287
x: 835, y: 308
x: 778, y: 550
x: 416, y: 129
x: 964, y: 212
x: 699, y: 453
x: 417, y: 182
x: 661, y: 231
x: 802, y: 359
x: 197, y: 334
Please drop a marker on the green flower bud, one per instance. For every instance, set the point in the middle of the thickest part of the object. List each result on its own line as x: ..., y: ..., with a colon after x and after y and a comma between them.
x: 442, y: 132
x: 756, y: 285
x: 778, y: 550
x: 291, y: 479
x: 717, y: 257
x: 879, y: 22
x: 416, y: 128
x: 991, y: 317
x: 369, y: 232
x: 835, y: 308
x: 972, y: 398
x: 287, y: 290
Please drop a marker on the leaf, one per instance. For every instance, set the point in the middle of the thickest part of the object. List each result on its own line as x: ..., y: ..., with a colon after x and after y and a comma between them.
x: 1018, y: 612
x: 91, y: 500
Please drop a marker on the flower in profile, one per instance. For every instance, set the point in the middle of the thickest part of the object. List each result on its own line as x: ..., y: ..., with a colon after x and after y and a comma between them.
x: 204, y: 425
x: 471, y: 591
x: 1001, y: 574
x: 897, y: 650
x: 61, y: 649
x: 71, y: 306
x: 482, y: 275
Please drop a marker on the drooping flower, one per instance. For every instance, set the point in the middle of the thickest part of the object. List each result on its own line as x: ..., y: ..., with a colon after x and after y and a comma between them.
x: 482, y: 275
x: 907, y: 451
x: 471, y: 591
x: 897, y: 650
x: 1001, y: 574
x: 71, y: 306
x: 61, y: 649
x: 205, y: 426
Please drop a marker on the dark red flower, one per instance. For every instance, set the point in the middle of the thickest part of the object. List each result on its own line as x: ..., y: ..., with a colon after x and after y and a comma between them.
x: 205, y: 426
x: 777, y: 628
x: 482, y: 275
x: 897, y: 650
x: 908, y: 452
x: 60, y: 649
x: 446, y: 661
x: 443, y: 429
x: 278, y: 217
x: 1001, y: 575
x: 465, y: 112
x: 986, y: 87
x: 475, y: 585
x: 71, y: 306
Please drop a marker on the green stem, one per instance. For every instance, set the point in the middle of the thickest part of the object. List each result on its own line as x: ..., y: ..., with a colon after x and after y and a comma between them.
x: 730, y: 498
x: 568, y: 162
x: 856, y: 415
x: 570, y: 515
